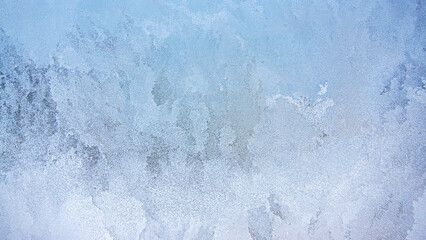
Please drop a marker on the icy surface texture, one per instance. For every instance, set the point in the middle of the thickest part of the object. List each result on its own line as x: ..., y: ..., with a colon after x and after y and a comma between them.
x: 212, y: 120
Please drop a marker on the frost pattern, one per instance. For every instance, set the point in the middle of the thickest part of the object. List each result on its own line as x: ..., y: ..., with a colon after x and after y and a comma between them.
x: 207, y: 120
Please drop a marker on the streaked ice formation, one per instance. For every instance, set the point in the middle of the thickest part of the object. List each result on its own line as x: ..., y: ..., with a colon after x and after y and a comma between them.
x: 199, y: 119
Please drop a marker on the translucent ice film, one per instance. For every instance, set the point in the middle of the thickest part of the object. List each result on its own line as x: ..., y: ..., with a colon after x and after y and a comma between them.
x: 203, y: 119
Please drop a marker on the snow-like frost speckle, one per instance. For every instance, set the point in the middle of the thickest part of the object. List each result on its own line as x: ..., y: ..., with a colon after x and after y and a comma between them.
x: 212, y: 120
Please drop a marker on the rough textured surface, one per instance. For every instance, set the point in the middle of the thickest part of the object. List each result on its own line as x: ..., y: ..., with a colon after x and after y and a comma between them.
x: 212, y: 120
